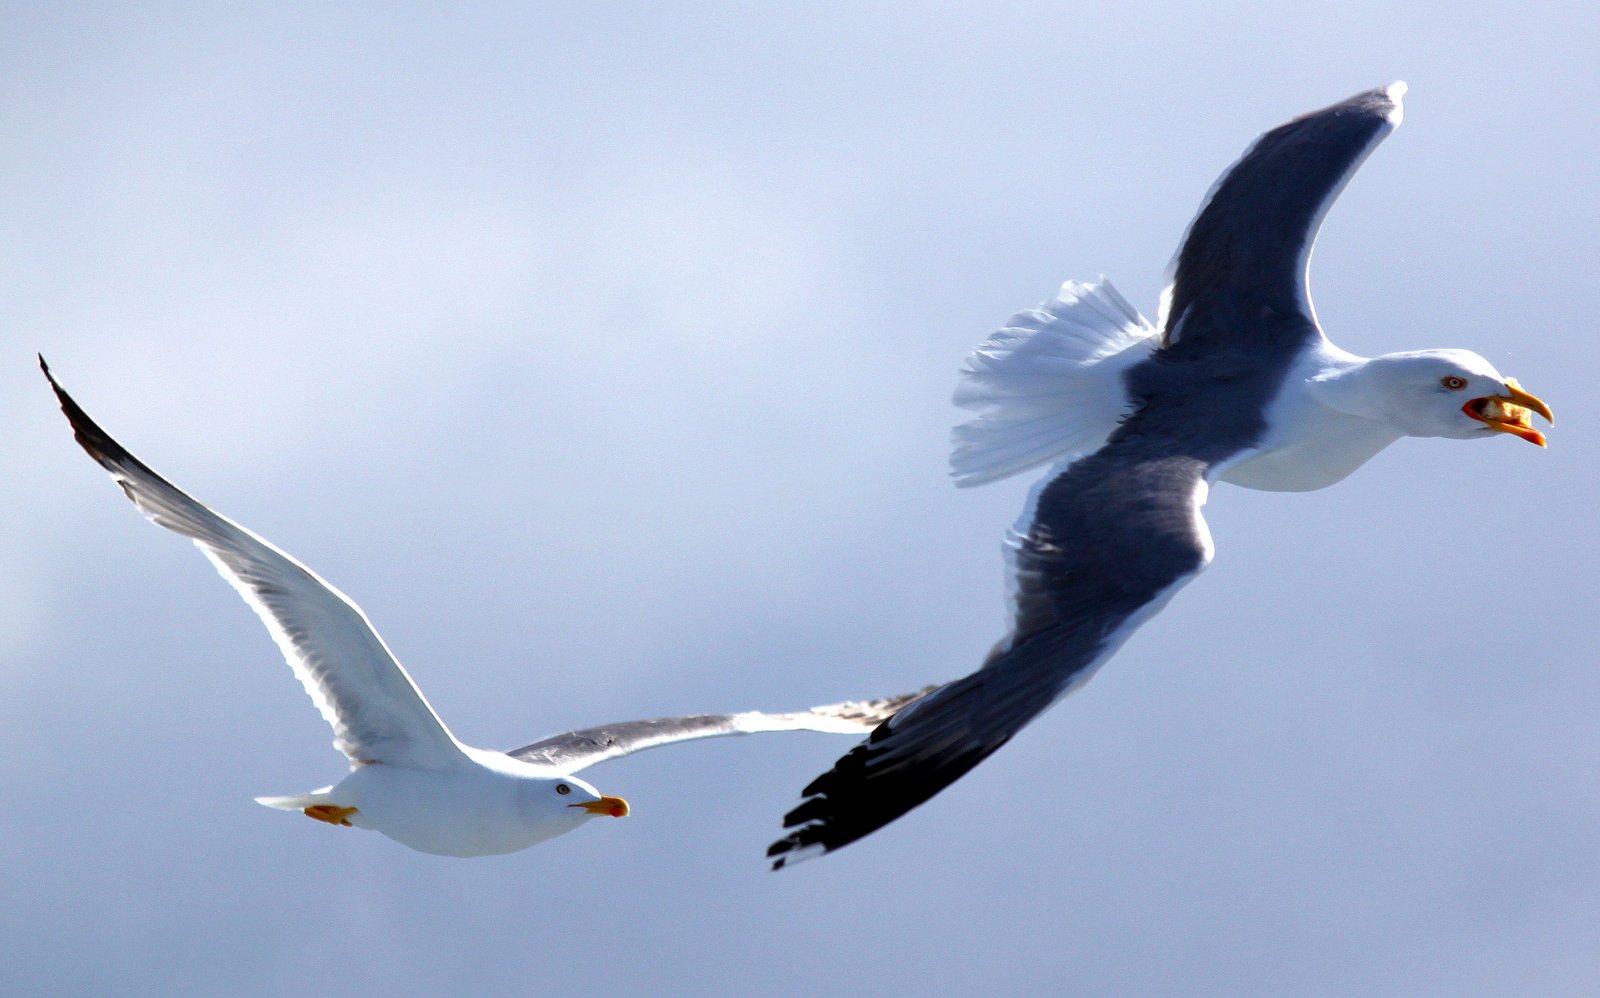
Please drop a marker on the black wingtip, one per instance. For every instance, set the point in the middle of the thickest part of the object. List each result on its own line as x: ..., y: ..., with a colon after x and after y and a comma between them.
x: 54, y: 384
x: 82, y: 425
x: 848, y: 803
x: 905, y: 762
x: 97, y: 442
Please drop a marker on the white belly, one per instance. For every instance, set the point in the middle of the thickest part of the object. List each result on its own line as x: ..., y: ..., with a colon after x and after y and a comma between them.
x: 446, y: 814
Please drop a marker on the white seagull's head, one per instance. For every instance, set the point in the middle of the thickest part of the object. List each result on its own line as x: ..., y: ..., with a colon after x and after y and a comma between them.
x: 1449, y: 393
x: 566, y: 800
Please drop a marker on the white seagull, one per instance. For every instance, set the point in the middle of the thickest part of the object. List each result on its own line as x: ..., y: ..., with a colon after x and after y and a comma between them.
x: 410, y: 778
x: 1237, y: 384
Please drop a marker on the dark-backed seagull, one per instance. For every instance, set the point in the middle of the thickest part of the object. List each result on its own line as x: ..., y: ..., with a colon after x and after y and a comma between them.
x: 410, y: 778
x: 1240, y: 386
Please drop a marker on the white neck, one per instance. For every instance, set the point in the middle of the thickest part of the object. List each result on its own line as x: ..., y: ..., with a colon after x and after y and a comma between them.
x: 1355, y: 386
x: 1328, y: 424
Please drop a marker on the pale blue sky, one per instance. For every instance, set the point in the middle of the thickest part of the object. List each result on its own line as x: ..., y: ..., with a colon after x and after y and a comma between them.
x: 604, y: 359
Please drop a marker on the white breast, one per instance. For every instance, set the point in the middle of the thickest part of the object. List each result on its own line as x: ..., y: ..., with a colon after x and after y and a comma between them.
x: 462, y: 812
x: 1309, y: 443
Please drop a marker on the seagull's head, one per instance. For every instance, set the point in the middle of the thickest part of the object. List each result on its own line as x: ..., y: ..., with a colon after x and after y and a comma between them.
x: 569, y: 798
x: 1450, y: 393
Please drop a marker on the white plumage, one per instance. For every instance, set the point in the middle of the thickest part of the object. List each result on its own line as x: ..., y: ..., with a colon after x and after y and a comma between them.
x: 410, y: 778
x: 1048, y: 384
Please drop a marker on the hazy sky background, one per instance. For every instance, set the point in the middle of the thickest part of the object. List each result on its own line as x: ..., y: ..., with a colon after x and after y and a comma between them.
x: 605, y: 360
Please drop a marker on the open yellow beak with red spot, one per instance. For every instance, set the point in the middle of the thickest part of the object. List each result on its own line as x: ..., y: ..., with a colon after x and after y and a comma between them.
x: 1511, y: 412
x: 614, y: 806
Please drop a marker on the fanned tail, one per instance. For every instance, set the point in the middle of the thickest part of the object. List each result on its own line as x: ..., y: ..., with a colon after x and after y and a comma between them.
x: 1049, y: 384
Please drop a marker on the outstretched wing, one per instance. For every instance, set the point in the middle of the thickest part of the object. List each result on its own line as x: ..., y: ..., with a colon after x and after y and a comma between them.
x: 1252, y: 238
x: 377, y: 712
x: 1108, y: 542
x: 581, y: 749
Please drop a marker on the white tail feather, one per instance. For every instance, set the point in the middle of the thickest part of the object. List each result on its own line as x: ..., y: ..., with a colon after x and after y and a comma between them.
x: 1049, y: 384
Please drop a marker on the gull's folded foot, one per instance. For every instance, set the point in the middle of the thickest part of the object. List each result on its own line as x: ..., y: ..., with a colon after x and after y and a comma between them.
x: 330, y: 813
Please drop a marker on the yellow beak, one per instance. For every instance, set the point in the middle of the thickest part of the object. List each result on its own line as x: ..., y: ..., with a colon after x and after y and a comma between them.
x: 614, y: 806
x: 1511, y: 412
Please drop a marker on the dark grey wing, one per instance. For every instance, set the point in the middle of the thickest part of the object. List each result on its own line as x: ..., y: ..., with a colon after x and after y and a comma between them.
x: 1252, y: 238
x: 1111, y: 539
x: 1102, y: 546
x: 577, y: 750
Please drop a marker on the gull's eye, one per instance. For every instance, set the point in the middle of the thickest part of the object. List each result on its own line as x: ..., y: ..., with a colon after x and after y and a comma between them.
x: 1454, y: 382
x: 563, y: 789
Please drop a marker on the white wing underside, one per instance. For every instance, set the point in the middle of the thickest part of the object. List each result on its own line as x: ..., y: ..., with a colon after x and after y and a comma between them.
x: 576, y: 750
x: 1049, y: 384
x: 376, y: 711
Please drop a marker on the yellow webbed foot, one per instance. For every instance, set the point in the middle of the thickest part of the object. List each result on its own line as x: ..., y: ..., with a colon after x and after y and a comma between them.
x: 330, y: 813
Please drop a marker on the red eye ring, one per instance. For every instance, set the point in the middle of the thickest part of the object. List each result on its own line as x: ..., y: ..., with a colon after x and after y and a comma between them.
x: 1454, y: 382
